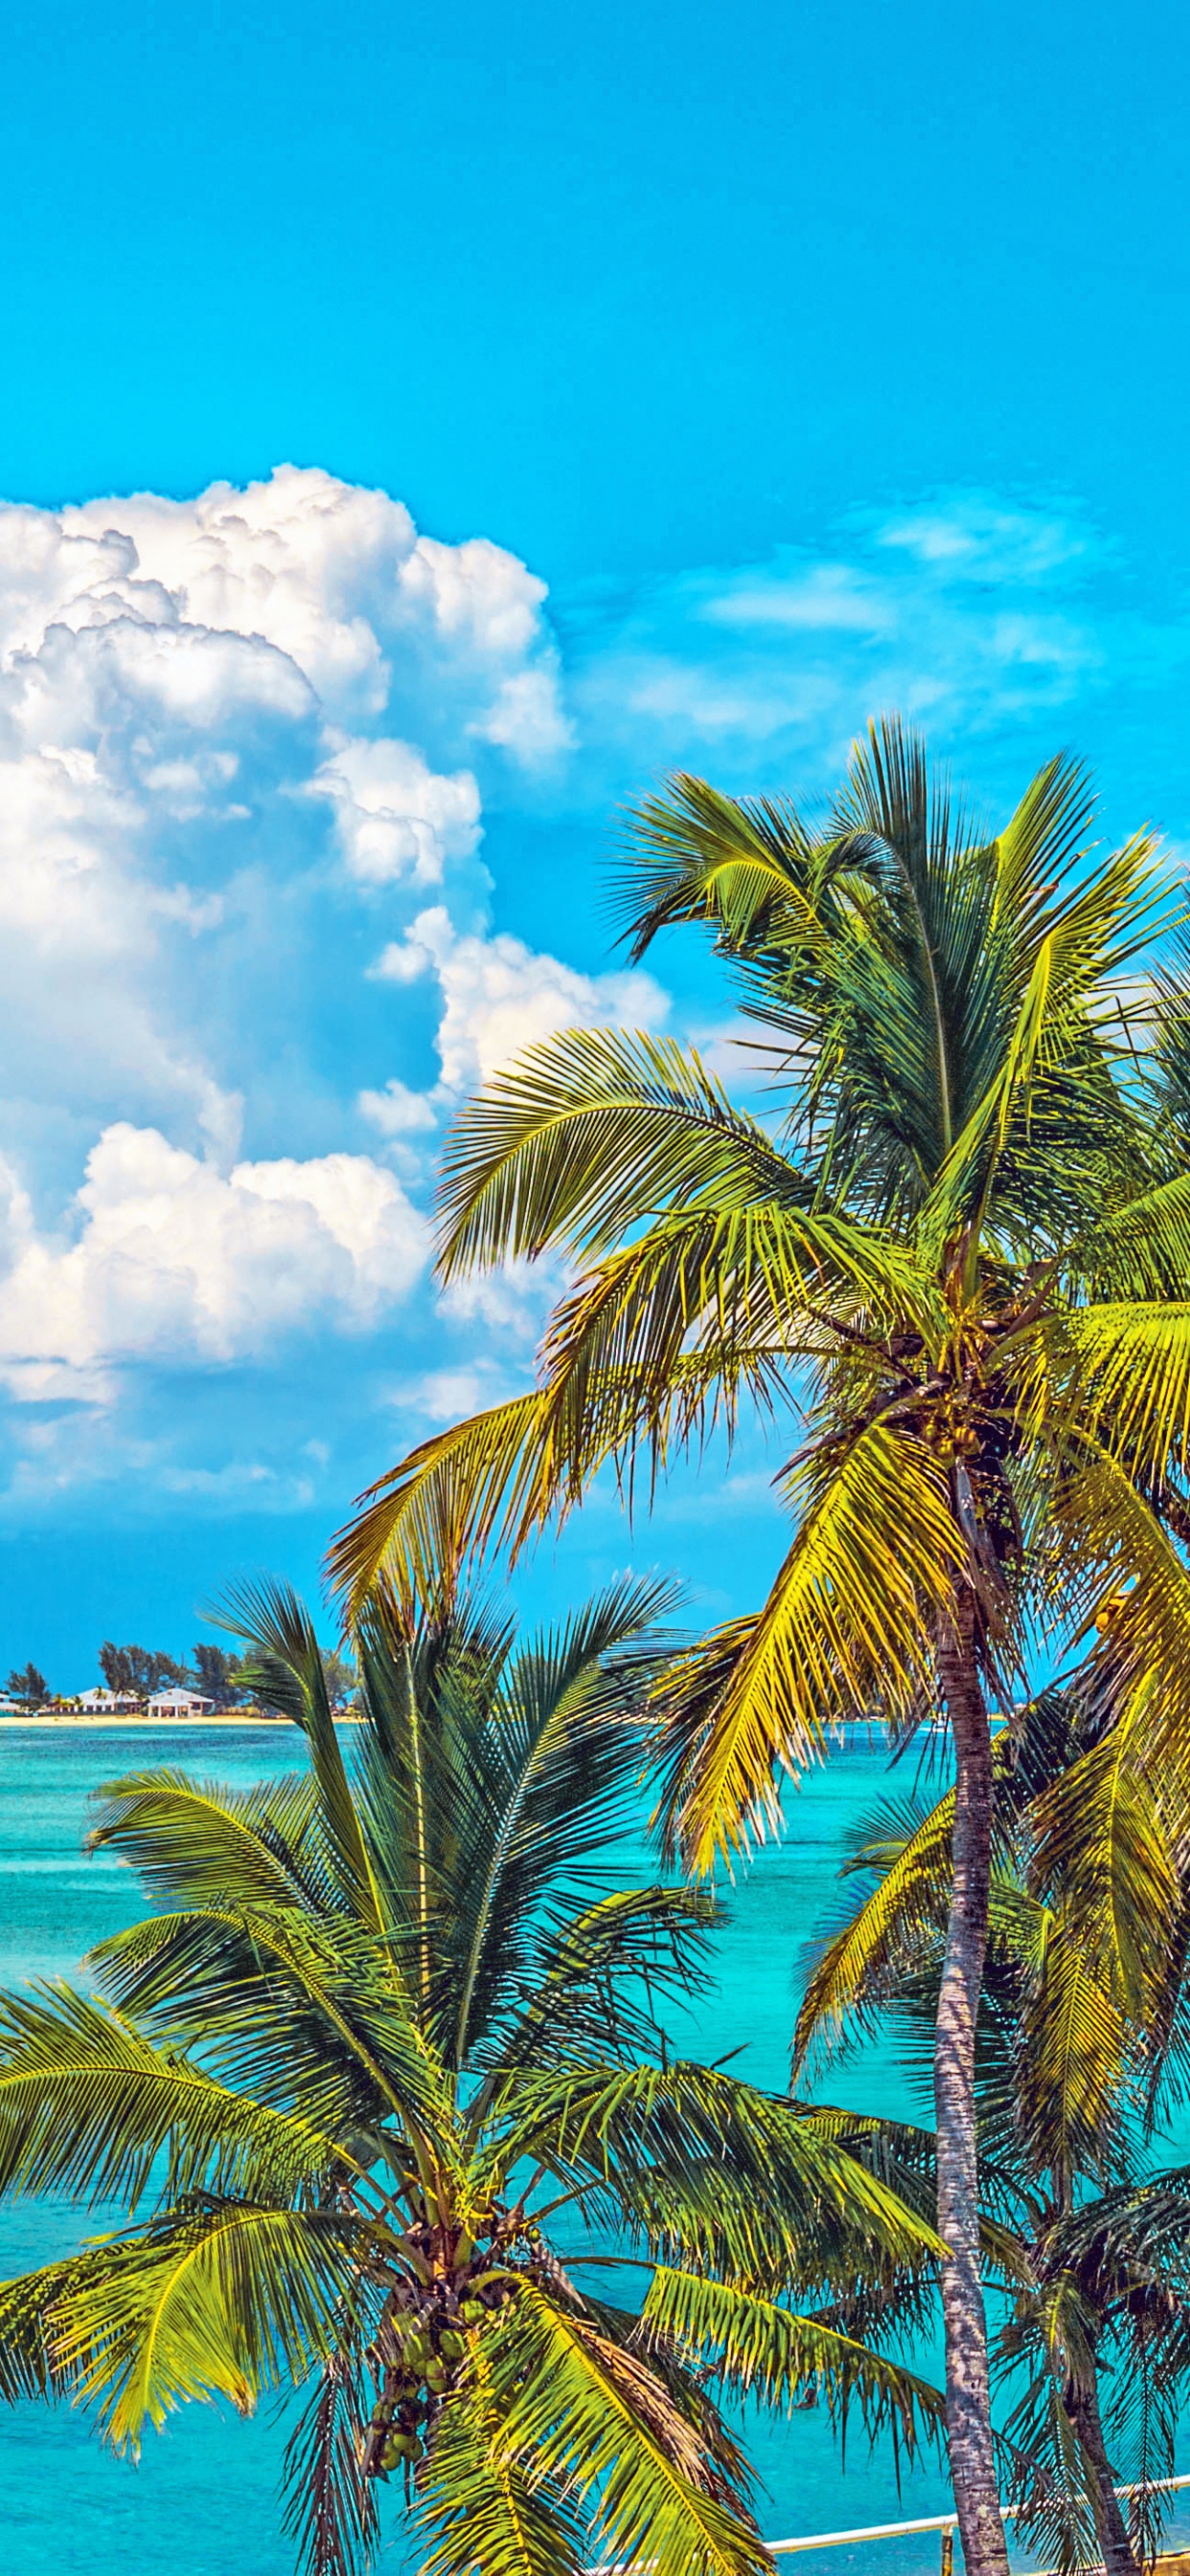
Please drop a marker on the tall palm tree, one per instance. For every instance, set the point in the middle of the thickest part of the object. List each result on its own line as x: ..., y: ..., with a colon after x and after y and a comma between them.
x: 1091, y: 2245
x: 957, y: 1248
x: 383, y: 2089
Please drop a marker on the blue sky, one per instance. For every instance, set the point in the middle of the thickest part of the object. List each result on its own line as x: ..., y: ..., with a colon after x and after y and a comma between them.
x: 649, y: 386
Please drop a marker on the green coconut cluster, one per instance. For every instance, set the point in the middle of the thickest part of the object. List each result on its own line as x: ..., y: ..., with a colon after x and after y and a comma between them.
x: 428, y: 2344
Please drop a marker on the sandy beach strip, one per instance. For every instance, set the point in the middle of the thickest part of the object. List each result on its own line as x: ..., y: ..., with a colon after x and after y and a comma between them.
x: 63, y: 1719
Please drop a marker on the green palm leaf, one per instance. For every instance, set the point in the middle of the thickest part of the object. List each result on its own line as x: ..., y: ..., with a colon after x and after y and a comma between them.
x: 745, y: 868
x: 331, y: 2510
x: 849, y: 1625
x: 593, y: 1127
x: 280, y: 1633
x: 189, y: 1839
x: 586, y: 2411
x: 419, y: 1524
x: 760, y: 2348
x: 869, y: 1954
x: 710, y: 2162
x: 483, y: 2507
x: 231, y: 2301
x: 87, y: 2103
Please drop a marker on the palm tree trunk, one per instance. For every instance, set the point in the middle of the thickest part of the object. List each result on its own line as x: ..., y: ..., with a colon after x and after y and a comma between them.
x: 1111, y: 2530
x: 968, y: 2393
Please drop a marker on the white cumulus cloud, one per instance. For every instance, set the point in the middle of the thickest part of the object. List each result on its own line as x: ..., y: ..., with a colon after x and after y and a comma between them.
x: 194, y: 694
x: 225, y: 723
x: 500, y: 996
x: 394, y: 816
x: 169, y: 1258
x: 333, y: 577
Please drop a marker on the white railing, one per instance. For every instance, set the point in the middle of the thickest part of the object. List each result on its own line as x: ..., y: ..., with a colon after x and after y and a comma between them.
x: 947, y: 2523
x: 871, y: 2531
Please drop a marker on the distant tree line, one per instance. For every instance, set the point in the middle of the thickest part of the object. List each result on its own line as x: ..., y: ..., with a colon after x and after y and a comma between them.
x: 138, y: 1672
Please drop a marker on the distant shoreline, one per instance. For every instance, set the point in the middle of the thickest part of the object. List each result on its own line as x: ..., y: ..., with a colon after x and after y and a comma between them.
x: 157, y: 1725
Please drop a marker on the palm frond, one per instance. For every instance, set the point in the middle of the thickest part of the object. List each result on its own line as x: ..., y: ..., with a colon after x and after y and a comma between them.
x: 1101, y: 1832
x: 1130, y: 1366
x: 759, y: 2348
x: 586, y: 1134
x: 1071, y: 2067
x: 229, y: 2301
x: 744, y: 867
x: 30, y: 2362
x: 195, y: 1840
x: 1139, y: 1249
x: 87, y: 2103
x: 1051, y: 2336
x: 590, y: 2413
x: 556, y: 1771
x: 307, y: 2014
x: 599, y: 1980
x: 277, y: 1627
x: 419, y: 1524
x: 1088, y: 935
x: 706, y: 2162
x: 330, y: 2506
x: 869, y: 1954
x: 848, y: 1626
x: 484, y: 2505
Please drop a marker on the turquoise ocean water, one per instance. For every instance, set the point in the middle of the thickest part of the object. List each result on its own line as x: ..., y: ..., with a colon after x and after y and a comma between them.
x: 202, y: 2501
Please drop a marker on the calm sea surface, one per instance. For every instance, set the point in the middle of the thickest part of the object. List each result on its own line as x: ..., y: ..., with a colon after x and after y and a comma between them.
x: 202, y: 2501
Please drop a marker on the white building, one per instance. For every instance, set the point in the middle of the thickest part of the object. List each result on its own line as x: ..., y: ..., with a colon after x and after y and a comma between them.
x: 104, y: 1703
x: 178, y: 1703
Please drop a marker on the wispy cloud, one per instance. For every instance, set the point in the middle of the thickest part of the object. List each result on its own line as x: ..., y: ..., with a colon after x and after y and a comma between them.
x: 968, y: 614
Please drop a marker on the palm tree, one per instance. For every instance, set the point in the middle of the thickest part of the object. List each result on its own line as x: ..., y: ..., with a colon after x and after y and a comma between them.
x: 955, y: 1250
x: 1098, y: 2322
x: 382, y: 2088
x: 1092, y: 2250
